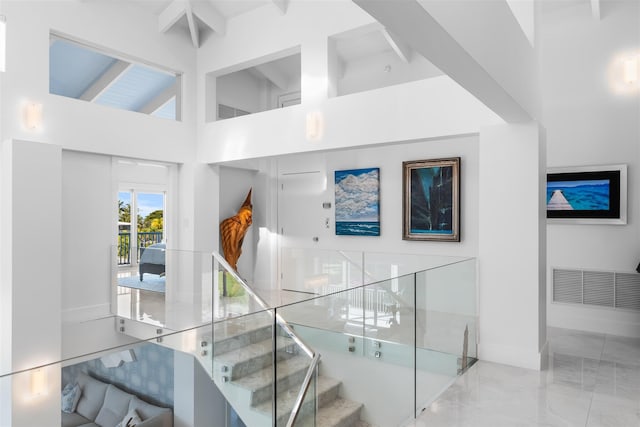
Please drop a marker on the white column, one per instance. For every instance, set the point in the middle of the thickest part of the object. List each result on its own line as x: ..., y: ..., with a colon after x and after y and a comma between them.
x: 30, y: 289
x: 512, y: 245
x: 197, y: 401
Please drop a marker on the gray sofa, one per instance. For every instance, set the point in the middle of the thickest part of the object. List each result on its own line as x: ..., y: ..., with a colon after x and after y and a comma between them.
x: 105, y: 405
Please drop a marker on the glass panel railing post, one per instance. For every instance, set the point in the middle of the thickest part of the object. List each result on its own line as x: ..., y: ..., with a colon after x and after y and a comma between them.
x: 362, y: 269
x: 215, y: 301
x: 363, y: 333
x: 415, y: 345
x: 274, y: 354
x: 214, y: 309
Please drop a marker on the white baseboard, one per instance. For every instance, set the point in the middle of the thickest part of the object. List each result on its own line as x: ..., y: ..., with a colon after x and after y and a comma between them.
x: 624, y: 323
x: 514, y: 356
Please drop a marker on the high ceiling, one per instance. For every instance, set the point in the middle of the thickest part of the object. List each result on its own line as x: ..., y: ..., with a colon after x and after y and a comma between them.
x: 201, y: 16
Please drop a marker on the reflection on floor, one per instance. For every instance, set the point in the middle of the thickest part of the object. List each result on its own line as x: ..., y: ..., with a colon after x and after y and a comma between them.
x: 593, y: 380
x: 139, y: 304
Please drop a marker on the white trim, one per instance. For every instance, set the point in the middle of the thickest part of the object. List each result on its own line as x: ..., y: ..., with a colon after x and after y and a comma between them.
x: 54, y: 34
x: 513, y: 356
x: 596, y: 221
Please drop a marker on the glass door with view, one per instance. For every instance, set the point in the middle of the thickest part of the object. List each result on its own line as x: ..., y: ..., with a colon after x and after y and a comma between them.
x: 141, y: 255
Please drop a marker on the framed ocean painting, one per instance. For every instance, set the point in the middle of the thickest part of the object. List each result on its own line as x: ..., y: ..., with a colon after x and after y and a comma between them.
x: 357, y: 194
x: 431, y: 200
x: 587, y: 195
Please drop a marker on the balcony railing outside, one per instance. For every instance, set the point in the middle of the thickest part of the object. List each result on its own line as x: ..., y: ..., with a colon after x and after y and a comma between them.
x: 145, y: 239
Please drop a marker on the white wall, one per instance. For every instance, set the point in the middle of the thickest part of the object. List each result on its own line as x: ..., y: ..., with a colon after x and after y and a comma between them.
x: 369, y: 72
x: 78, y: 125
x: 88, y: 231
x: 389, y: 159
x: 592, y: 119
x: 428, y: 108
x: 416, y: 110
x: 240, y: 90
x: 197, y: 400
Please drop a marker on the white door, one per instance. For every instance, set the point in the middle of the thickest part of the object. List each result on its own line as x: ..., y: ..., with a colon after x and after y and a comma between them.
x: 302, y: 222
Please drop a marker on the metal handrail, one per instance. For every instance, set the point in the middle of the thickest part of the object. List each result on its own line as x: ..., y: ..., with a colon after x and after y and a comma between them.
x: 303, y: 390
x: 315, y: 357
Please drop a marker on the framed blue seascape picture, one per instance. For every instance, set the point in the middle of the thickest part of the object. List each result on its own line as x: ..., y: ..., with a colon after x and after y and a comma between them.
x: 431, y: 200
x: 587, y: 194
x: 357, y: 202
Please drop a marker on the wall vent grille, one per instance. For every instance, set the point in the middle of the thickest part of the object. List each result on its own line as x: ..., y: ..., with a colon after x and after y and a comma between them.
x: 628, y: 291
x: 567, y: 286
x: 600, y: 288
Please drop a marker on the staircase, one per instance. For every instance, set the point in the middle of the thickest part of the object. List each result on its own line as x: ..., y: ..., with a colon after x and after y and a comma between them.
x: 243, y: 370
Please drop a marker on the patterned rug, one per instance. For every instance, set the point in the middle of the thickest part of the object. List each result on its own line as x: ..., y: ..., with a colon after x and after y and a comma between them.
x: 151, y: 282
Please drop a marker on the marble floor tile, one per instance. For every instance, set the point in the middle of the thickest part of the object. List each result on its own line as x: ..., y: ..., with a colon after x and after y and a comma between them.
x: 559, y: 405
x: 621, y: 349
x: 572, y: 371
x: 607, y: 411
x: 575, y: 343
x: 592, y: 380
x: 619, y: 380
x: 450, y: 414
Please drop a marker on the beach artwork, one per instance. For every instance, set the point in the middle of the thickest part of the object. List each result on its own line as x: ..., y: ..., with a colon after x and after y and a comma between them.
x: 431, y: 200
x: 358, y: 202
x: 582, y: 195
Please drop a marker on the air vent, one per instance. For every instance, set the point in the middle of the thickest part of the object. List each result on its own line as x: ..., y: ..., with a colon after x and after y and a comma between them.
x: 600, y: 288
x: 628, y: 291
x: 567, y: 286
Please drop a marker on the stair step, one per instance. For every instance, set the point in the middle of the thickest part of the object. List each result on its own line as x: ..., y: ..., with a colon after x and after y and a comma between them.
x: 327, y: 391
x: 339, y: 413
x: 290, y: 373
x: 229, y: 338
x: 254, y: 357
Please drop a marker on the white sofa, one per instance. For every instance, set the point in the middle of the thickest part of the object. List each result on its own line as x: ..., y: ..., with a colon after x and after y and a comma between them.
x: 105, y: 405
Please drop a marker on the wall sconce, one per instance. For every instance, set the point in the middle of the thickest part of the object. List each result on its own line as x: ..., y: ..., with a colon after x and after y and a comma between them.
x: 315, y: 126
x: 115, y: 360
x: 33, y: 115
x: 3, y: 43
x: 631, y: 70
x: 38, y: 382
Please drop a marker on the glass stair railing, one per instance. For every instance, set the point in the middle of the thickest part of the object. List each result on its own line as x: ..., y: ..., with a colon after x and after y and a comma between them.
x: 389, y: 346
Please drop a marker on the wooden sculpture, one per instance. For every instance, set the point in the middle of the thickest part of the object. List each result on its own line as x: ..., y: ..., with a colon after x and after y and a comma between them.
x: 232, y: 231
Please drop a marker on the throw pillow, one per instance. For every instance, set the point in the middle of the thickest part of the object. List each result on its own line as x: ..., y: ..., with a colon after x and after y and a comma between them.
x: 70, y: 397
x: 130, y: 420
